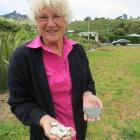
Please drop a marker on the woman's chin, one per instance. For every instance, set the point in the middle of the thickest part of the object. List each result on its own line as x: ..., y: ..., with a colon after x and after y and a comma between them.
x: 52, y: 39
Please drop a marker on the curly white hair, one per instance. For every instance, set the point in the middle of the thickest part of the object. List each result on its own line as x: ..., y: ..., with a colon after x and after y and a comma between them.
x: 62, y: 7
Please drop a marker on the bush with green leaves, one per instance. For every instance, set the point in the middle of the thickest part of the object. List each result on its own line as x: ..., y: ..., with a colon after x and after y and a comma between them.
x: 8, y: 42
x: 133, y: 40
x: 87, y: 43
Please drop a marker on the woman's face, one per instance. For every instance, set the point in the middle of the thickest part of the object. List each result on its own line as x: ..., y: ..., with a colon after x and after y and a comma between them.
x: 51, y: 25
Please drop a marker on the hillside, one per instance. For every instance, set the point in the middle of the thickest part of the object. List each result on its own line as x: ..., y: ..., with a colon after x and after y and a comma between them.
x: 105, y: 26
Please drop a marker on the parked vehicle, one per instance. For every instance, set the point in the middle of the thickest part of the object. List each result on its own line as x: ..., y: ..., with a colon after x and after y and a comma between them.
x: 121, y: 42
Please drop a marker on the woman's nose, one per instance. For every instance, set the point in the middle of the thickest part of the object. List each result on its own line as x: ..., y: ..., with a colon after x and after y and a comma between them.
x: 50, y: 22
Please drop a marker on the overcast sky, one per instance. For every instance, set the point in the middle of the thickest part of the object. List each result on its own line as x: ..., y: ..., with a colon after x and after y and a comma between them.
x: 83, y: 8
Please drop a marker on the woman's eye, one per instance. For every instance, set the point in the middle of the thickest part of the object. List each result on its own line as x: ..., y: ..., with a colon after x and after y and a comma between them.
x: 57, y: 16
x: 43, y: 17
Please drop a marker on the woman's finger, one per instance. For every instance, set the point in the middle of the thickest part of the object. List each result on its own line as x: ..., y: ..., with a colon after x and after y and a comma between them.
x: 85, y: 117
x: 91, y: 120
x: 73, y: 132
x: 67, y: 138
x: 99, y: 103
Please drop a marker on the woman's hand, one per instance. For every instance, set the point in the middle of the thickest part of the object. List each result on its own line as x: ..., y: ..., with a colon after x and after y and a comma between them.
x: 90, y: 100
x: 46, y: 122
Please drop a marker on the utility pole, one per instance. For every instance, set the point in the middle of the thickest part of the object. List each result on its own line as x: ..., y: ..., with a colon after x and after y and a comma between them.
x: 108, y: 32
x: 88, y: 26
x: 88, y: 29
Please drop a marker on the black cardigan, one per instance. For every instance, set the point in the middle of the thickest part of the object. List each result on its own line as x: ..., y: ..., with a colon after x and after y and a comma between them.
x: 30, y: 96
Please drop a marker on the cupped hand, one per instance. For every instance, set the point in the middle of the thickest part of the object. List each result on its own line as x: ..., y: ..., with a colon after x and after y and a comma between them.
x: 90, y: 100
x: 46, y: 122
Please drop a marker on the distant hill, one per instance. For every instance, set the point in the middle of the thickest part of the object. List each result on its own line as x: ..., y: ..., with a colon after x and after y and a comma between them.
x: 15, y: 15
x: 106, y: 27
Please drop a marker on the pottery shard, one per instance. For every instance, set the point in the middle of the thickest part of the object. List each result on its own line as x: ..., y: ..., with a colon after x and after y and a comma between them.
x: 60, y: 130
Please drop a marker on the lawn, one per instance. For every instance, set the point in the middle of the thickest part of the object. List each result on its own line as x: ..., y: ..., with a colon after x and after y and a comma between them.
x: 116, y: 71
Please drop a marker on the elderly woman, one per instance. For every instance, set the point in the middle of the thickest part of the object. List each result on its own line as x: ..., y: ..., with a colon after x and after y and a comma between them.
x: 49, y: 78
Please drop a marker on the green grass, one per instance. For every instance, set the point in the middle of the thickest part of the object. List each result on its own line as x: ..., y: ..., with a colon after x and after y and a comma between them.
x: 116, y: 71
x: 13, y: 131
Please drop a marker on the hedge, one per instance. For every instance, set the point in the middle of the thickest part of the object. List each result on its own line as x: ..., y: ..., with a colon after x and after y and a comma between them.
x: 134, y: 40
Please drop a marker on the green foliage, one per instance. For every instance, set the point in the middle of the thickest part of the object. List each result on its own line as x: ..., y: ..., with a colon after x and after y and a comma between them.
x: 6, y: 47
x: 103, y: 38
x: 13, y: 26
x: 132, y: 39
x: 8, y: 42
x: 135, y: 27
x: 88, y: 44
x: 98, y: 45
x: 8, y: 26
x: 119, y: 32
x: 107, y: 27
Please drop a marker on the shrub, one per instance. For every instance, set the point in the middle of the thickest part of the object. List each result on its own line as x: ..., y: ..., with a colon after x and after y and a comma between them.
x: 133, y: 40
x: 8, y: 42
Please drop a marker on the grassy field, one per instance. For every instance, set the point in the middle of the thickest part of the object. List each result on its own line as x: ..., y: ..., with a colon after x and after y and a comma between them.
x: 116, y: 71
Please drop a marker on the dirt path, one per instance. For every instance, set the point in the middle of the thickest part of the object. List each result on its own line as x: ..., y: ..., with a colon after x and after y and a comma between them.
x: 5, y: 113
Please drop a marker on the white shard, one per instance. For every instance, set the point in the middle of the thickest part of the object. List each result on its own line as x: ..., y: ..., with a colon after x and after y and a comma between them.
x: 60, y: 130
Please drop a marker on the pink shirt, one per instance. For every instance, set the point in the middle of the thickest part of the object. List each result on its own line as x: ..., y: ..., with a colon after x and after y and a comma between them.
x: 58, y: 74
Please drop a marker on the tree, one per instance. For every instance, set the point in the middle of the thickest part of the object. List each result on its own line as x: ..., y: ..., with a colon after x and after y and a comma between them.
x: 135, y: 28
x: 127, y: 26
x: 119, y: 32
x: 118, y: 18
x: 121, y: 24
x: 87, y: 18
x: 125, y: 16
